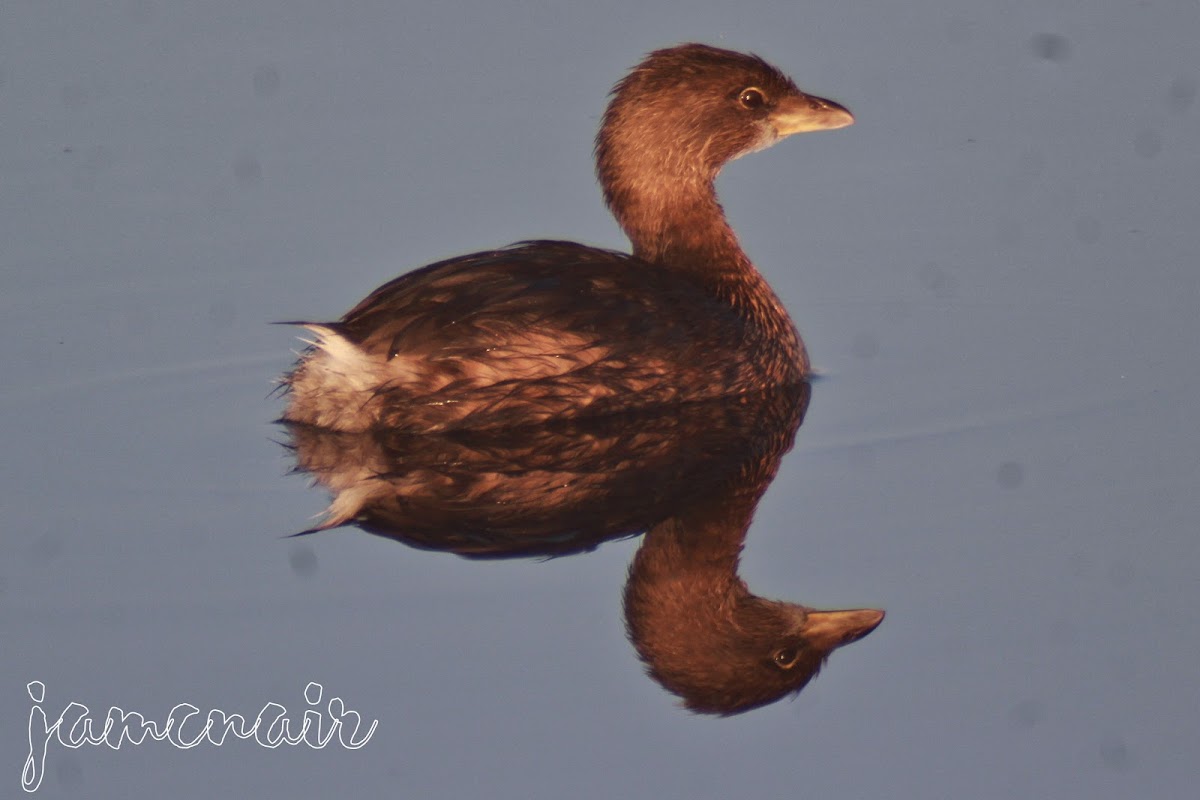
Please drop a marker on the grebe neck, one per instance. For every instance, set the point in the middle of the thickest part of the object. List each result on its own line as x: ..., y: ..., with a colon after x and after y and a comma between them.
x: 678, y: 224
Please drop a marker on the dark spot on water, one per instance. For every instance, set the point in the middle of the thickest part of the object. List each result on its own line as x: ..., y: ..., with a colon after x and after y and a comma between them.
x: 1010, y: 475
x: 303, y: 560
x: 937, y: 280
x: 1050, y: 46
x: 247, y: 170
x: 1027, y: 713
x: 1181, y: 93
x: 1114, y: 753
x: 866, y: 345
x: 266, y: 81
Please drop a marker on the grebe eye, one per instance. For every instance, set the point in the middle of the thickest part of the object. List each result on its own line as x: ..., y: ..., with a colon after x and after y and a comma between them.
x: 752, y: 98
x: 786, y: 657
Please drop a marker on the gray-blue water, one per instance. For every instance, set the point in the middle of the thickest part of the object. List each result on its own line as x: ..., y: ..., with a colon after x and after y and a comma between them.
x: 997, y: 270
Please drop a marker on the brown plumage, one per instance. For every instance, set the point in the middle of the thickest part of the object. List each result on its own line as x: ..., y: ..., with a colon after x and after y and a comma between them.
x: 544, y: 330
x: 551, y: 489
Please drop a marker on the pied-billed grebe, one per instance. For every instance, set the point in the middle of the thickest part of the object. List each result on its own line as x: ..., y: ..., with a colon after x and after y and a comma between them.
x: 544, y: 330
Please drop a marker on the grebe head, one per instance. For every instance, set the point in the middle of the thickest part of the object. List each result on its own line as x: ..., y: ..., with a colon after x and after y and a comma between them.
x: 687, y: 110
x: 670, y: 126
x: 729, y: 653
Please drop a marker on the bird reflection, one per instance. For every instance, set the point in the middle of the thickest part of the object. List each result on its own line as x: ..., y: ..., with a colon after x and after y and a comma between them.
x: 687, y: 476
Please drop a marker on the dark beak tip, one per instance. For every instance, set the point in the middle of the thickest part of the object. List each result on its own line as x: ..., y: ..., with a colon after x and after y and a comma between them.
x: 868, y: 619
x: 875, y: 622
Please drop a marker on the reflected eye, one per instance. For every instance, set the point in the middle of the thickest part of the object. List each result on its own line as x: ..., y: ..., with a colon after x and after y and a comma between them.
x: 785, y: 657
x: 752, y: 98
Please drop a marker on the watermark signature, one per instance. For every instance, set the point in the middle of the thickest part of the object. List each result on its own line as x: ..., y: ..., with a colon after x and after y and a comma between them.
x: 185, y: 728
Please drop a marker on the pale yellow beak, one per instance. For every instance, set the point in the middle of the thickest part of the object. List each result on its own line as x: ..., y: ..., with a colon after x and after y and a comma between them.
x: 826, y: 630
x: 803, y: 113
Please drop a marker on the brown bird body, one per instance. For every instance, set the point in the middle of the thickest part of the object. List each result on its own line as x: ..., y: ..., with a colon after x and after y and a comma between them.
x: 545, y: 330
